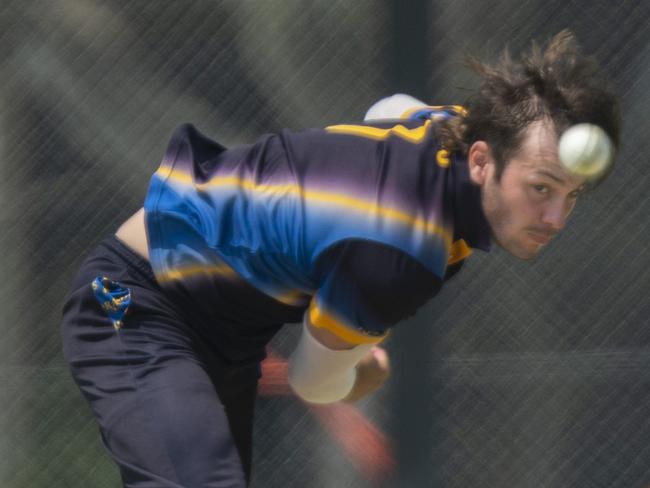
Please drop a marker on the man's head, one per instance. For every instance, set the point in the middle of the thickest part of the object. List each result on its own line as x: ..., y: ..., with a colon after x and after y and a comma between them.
x: 529, y: 202
x: 511, y: 133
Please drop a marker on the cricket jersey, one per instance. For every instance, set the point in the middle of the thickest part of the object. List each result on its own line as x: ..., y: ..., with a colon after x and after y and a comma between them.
x: 357, y: 225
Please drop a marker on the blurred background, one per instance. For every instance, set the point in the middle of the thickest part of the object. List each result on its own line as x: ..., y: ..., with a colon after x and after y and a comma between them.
x: 516, y: 375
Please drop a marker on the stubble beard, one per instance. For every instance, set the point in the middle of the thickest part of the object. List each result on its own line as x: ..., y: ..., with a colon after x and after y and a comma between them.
x: 499, y: 217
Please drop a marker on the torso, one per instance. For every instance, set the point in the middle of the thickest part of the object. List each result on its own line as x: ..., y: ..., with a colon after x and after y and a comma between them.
x: 133, y: 233
x: 242, y: 237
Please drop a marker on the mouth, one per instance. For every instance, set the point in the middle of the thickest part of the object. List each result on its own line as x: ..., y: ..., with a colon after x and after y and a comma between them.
x: 542, y: 239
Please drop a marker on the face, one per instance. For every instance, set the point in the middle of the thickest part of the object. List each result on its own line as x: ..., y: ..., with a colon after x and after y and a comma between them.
x: 532, y: 201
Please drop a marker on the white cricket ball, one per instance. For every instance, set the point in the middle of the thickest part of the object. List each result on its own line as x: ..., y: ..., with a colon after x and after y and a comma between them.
x: 585, y: 150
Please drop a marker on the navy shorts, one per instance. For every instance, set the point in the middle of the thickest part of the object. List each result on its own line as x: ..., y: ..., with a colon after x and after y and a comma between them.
x: 171, y: 412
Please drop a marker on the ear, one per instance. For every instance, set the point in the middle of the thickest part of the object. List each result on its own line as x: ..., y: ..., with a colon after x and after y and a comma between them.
x: 479, y: 158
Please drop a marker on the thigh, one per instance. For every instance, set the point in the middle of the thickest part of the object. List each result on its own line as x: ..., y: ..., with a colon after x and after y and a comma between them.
x: 156, y: 402
x: 171, y: 431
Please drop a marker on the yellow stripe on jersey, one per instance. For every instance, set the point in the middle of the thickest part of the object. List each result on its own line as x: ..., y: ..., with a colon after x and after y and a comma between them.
x: 415, y: 135
x: 345, y: 201
x: 295, y: 298
x: 190, y: 271
x: 318, y: 318
x: 459, y: 251
x: 442, y: 157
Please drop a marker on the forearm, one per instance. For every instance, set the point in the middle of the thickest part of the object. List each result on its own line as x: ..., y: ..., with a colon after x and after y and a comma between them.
x: 320, y: 374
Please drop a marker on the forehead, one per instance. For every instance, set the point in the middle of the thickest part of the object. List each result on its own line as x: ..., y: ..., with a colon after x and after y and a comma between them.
x: 538, y: 154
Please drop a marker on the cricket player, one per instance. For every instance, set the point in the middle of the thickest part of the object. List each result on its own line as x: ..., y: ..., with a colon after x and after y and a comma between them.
x: 346, y: 229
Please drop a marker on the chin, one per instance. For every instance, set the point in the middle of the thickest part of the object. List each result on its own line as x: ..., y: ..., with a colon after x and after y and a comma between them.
x: 529, y: 258
x: 525, y: 253
x: 528, y: 254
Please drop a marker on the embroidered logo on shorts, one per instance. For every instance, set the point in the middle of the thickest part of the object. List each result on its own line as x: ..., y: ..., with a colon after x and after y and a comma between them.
x: 113, y: 298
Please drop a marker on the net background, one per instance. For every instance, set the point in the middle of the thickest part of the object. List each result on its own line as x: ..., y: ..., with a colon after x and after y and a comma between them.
x: 516, y: 375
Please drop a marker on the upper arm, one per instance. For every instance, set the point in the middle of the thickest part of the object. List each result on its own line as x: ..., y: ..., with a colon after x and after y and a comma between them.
x: 328, y: 338
x: 365, y: 288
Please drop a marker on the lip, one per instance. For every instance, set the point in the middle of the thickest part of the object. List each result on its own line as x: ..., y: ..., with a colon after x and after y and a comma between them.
x: 539, y: 238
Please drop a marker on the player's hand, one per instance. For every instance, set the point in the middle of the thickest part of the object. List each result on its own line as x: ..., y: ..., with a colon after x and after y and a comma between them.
x: 372, y: 372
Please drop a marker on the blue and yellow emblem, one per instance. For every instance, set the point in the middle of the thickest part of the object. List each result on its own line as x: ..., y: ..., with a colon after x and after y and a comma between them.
x: 113, y: 298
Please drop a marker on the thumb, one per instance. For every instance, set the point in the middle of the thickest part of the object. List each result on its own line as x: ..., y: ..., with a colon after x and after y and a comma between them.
x: 381, y: 356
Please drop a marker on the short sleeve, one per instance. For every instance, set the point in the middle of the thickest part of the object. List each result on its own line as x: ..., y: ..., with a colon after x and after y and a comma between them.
x: 365, y: 288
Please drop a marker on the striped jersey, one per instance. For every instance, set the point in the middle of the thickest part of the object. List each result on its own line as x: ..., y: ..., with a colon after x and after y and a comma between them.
x: 356, y: 225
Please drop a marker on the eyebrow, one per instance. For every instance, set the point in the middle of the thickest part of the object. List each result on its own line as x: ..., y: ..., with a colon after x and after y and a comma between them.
x: 550, y: 175
x: 559, y: 179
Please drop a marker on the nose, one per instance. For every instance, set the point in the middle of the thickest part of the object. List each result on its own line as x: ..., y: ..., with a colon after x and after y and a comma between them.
x: 555, y: 216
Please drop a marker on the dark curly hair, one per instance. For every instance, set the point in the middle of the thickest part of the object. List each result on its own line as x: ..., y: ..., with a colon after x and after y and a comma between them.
x: 557, y: 83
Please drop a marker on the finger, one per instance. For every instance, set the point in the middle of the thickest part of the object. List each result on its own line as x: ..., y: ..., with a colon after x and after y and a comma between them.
x: 381, y: 356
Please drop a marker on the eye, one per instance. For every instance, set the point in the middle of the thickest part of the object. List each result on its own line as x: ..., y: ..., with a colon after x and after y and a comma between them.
x: 577, y: 192
x: 542, y: 189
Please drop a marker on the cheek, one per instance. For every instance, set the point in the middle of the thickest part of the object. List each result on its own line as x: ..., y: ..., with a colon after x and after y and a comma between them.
x: 521, y: 209
x: 531, y: 209
x: 570, y: 206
